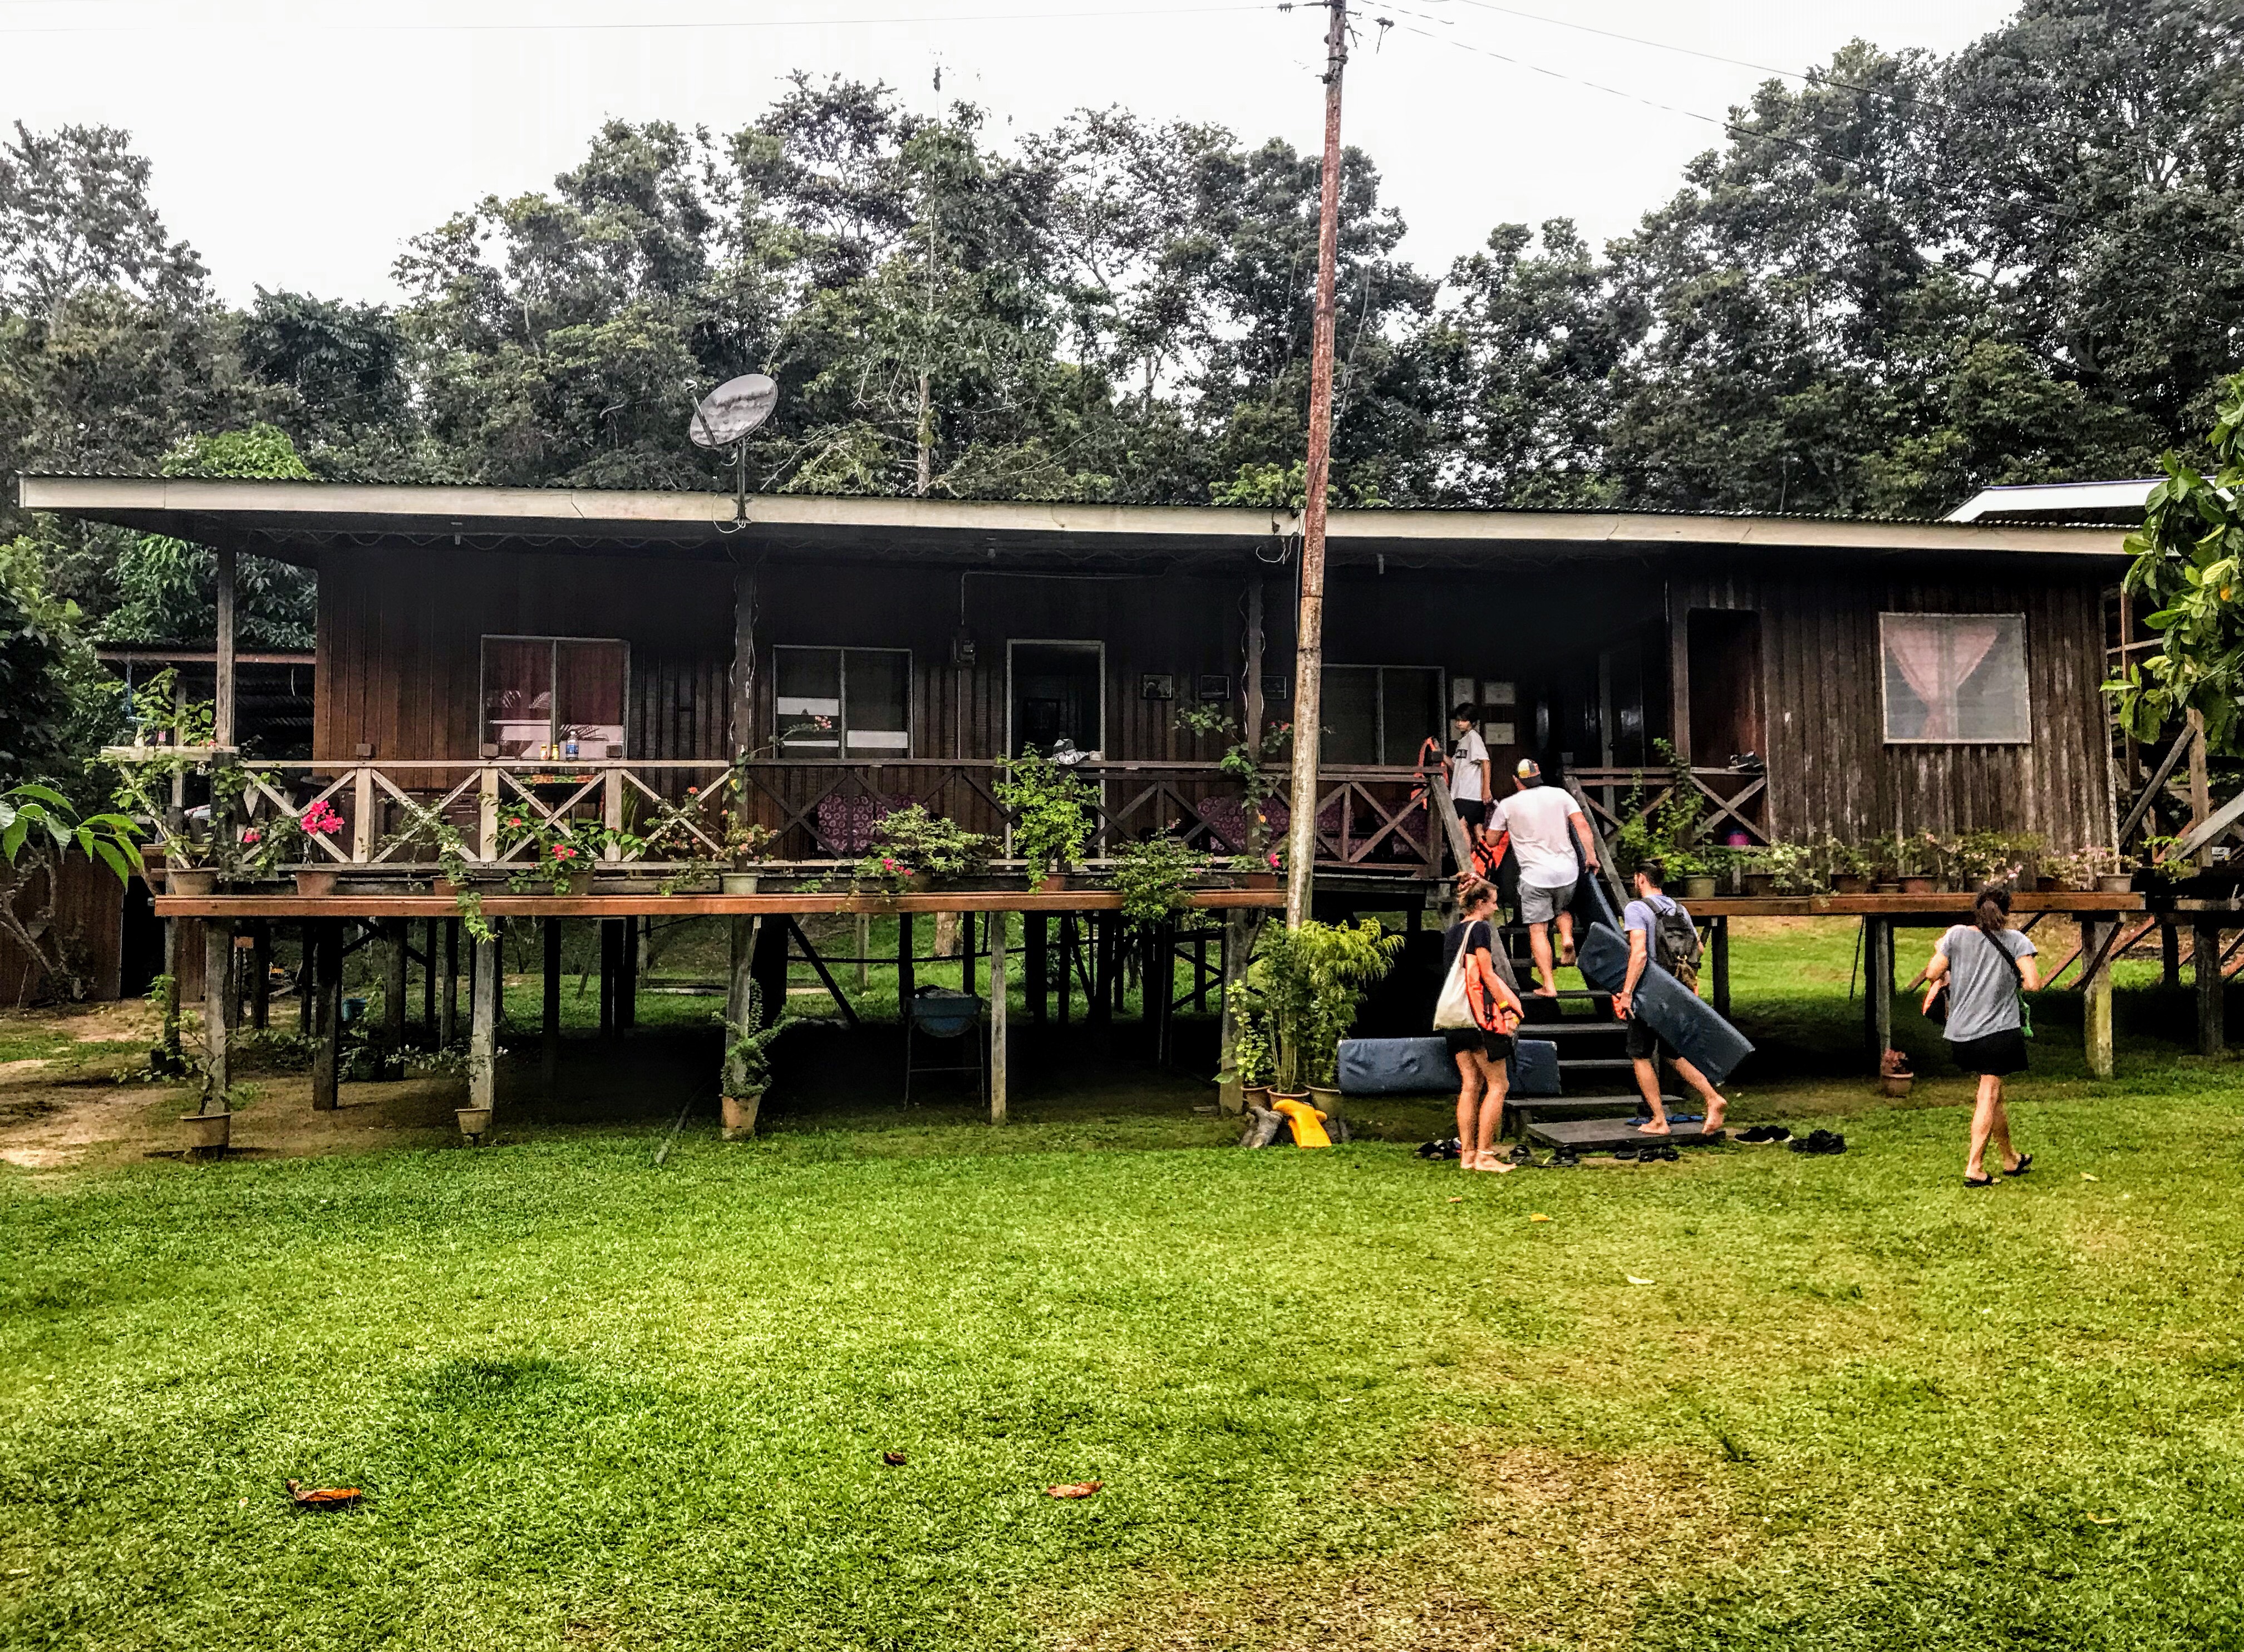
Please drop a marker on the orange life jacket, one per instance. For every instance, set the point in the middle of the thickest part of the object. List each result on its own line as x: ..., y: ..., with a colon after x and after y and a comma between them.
x: 1495, y: 1007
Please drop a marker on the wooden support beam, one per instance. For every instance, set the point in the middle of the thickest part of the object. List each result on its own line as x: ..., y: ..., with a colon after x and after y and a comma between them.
x: 2212, y: 1006
x: 223, y: 713
x: 325, y: 937
x: 2169, y: 954
x: 818, y: 965
x: 1877, y: 987
x: 610, y: 939
x: 907, y: 974
x: 742, y: 721
x: 966, y: 943
x: 998, y: 987
x: 260, y: 973
x: 1035, y: 964
x: 2096, y: 938
x: 627, y: 976
x: 483, y: 1027
x: 218, y: 976
x: 428, y: 979
x: 1066, y: 970
x: 393, y: 998
x: 1722, y: 965
x: 550, y: 1017
x: 307, y: 967
x: 1102, y: 969
x: 447, y: 1009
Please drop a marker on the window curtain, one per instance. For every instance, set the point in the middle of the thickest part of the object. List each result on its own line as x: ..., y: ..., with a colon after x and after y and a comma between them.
x: 1936, y: 656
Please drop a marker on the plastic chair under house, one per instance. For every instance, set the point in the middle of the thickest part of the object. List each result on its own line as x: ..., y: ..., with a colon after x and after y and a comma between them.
x: 944, y: 1015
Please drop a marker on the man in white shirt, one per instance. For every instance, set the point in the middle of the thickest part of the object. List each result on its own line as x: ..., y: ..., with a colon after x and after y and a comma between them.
x: 1543, y: 825
x: 1469, y: 786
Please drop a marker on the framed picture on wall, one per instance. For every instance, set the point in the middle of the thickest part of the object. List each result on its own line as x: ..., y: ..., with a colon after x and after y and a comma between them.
x: 1215, y: 688
x: 1157, y: 685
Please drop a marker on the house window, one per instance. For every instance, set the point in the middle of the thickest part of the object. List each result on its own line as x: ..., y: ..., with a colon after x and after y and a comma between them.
x: 842, y: 703
x: 548, y: 697
x: 1955, y: 679
x: 1378, y: 714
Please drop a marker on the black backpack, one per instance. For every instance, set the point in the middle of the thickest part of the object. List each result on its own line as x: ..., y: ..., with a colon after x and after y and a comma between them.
x: 1675, y: 945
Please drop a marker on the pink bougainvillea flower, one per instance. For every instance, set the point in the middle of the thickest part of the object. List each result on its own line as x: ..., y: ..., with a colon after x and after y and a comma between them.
x: 562, y: 851
x: 692, y: 791
x: 252, y: 836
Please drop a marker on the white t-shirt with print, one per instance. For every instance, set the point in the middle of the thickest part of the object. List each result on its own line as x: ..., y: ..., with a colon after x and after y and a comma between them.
x: 1465, y: 759
x: 1537, y: 819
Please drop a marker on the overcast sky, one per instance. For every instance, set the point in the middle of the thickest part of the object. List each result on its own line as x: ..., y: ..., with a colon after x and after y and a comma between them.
x: 299, y: 143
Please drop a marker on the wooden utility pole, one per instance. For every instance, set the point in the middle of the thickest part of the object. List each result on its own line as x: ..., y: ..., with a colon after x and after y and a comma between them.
x: 1308, y: 648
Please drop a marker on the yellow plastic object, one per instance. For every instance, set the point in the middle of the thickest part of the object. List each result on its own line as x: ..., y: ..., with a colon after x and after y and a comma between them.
x: 1308, y: 1123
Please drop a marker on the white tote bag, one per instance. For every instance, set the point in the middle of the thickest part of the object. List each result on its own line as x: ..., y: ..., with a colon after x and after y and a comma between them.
x: 1453, y: 1009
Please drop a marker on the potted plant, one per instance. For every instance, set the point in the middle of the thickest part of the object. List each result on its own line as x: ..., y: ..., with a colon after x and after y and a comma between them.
x: 1756, y: 874
x: 1894, y: 1075
x: 1913, y: 863
x: 1305, y: 985
x: 748, y: 845
x: 1794, y: 869
x: 1850, y: 867
x: 458, y: 874
x: 287, y: 839
x: 564, y: 852
x: 1695, y: 870
x: 1154, y: 878
x: 912, y: 849
x: 747, y: 1067
x: 1049, y: 805
x: 1250, y: 1056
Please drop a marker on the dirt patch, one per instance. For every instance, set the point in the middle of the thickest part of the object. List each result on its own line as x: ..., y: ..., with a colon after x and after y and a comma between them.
x: 56, y: 1128
x: 1548, y: 1549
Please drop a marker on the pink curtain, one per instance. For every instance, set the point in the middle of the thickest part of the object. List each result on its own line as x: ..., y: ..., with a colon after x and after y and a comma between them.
x: 1936, y: 656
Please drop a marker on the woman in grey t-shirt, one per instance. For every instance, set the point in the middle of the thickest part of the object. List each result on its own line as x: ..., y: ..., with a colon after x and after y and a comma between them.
x: 1985, y: 965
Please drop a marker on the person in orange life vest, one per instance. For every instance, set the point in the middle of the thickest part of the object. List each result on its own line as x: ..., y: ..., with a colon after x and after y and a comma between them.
x: 1645, y: 1048
x: 1537, y: 821
x: 1480, y: 1055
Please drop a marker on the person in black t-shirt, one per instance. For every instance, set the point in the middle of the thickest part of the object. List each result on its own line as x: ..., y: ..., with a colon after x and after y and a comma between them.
x: 1482, y: 1079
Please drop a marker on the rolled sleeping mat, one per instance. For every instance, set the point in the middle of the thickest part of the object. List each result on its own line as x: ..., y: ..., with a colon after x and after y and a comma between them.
x: 1423, y: 1065
x: 1689, y: 1023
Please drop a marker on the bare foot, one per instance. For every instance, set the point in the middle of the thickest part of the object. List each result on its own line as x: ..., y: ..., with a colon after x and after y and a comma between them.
x: 1490, y: 1161
x: 1545, y: 993
x: 1655, y: 1129
x: 1718, y: 1111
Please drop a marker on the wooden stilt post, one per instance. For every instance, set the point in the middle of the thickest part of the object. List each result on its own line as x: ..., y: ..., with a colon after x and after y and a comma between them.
x: 1877, y: 987
x: 260, y: 973
x: 1102, y: 969
x: 230, y: 998
x: 393, y: 998
x: 966, y: 952
x: 447, y: 1008
x: 2212, y: 1011
x: 864, y: 950
x: 306, y: 971
x: 549, y: 1065
x: 429, y: 980
x: 325, y: 937
x: 1162, y: 984
x: 483, y: 1027
x: 1035, y: 964
x: 610, y: 940
x: 2096, y: 997
x: 1722, y: 966
x: 627, y: 976
x: 1231, y: 1096
x: 218, y: 976
x: 768, y: 965
x: 1066, y: 972
x: 907, y: 976
x: 997, y: 989
x: 2169, y: 952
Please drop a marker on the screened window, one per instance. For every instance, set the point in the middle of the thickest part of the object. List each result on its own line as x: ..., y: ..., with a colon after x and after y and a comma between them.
x: 1955, y: 679
x: 843, y: 702
x: 1379, y: 714
x: 554, y: 697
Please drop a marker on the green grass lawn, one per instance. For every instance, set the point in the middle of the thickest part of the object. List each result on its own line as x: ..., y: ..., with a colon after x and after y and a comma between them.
x: 1341, y: 1399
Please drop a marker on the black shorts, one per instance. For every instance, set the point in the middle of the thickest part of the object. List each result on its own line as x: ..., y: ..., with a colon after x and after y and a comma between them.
x: 1997, y: 1055
x: 1496, y: 1046
x: 1472, y: 812
x: 1642, y: 1043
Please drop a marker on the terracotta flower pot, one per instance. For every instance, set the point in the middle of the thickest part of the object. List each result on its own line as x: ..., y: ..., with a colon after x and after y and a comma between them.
x: 318, y: 882
x: 1851, y: 883
x: 739, y: 882
x: 1255, y: 1095
x: 1916, y: 886
x: 1050, y: 883
x: 1897, y: 1084
x: 1890, y: 886
x: 190, y: 880
x: 1759, y: 884
x: 475, y: 1122
x: 740, y: 1115
x: 1326, y: 1099
x: 209, y: 1133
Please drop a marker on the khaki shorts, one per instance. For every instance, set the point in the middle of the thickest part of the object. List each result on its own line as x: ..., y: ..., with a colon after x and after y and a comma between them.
x: 1541, y: 905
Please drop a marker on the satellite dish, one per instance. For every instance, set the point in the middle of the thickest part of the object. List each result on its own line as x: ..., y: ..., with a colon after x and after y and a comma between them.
x: 734, y: 408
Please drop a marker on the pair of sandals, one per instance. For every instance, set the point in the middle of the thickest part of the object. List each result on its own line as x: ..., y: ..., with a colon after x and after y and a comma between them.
x: 2024, y: 1164
x: 1650, y: 1152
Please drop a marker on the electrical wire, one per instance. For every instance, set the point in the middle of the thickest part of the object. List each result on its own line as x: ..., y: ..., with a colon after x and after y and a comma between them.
x: 355, y: 26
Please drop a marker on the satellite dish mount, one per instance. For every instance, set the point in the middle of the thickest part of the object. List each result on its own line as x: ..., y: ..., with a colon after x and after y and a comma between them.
x: 723, y: 419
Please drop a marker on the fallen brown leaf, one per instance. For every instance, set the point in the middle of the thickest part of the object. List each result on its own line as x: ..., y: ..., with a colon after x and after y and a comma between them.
x: 332, y: 1498
x: 894, y: 1459
x: 1088, y: 1488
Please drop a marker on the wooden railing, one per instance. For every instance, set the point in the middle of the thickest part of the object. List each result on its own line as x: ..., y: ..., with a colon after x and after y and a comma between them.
x: 820, y: 812
x: 1730, y: 800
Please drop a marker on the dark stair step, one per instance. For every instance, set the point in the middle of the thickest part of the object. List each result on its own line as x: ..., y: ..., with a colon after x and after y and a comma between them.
x: 1602, y: 1135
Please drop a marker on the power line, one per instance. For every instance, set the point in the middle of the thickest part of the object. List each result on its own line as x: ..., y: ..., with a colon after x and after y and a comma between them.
x: 357, y: 27
x: 1693, y: 51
